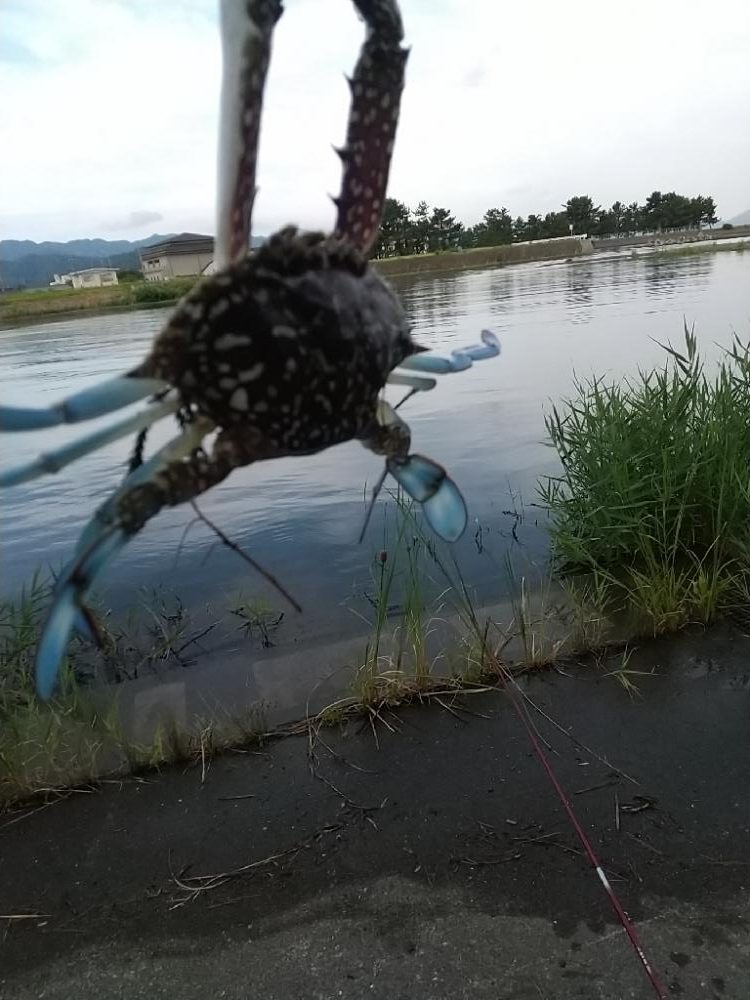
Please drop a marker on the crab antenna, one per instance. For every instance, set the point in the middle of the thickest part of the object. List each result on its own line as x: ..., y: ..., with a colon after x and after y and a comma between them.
x: 246, y: 29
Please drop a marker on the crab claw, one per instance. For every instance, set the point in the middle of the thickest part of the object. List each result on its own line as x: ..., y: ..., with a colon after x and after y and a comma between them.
x: 430, y: 485
x: 68, y: 610
x: 460, y: 359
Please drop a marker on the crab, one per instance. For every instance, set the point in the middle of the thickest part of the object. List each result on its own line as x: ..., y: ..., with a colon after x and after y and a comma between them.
x: 282, y: 351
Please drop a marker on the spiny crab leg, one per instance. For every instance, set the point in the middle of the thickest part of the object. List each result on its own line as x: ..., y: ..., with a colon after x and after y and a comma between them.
x: 246, y: 29
x: 376, y: 87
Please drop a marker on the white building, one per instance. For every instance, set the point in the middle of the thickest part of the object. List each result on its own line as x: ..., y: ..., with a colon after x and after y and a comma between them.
x: 91, y: 277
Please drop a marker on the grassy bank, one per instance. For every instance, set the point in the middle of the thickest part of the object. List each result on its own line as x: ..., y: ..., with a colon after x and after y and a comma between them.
x: 40, y: 303
x: 652, y: 511
x: 416, y: 646
x: 650, y: 531
x: 699, y: 249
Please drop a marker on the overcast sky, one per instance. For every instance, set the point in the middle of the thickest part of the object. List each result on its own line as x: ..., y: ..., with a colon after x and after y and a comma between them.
x: 109, y: 113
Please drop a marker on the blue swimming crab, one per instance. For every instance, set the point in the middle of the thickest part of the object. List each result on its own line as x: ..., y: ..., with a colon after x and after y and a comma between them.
x: 282, y: 351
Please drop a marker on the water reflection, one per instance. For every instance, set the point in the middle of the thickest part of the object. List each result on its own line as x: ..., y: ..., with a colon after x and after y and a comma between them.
x: 579, y: 295
x: 432, y: 304
x: 669, y: 277
x: 302, y: 516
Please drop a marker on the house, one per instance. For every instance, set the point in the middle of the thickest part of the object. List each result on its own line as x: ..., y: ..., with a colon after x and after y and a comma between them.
x: 92, y: 277
x: 180, y: 256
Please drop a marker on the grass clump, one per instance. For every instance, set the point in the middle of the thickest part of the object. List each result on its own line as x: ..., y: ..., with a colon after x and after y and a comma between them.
x: 43, y: 747
x: 161, y: 291
x: 77, y: 738
x: 653, y: 504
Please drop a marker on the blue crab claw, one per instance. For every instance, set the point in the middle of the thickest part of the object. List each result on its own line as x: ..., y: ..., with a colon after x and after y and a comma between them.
x: 430, y: 485
x: 84, y: 405
x: 68, y: 612
x: 460, y: 359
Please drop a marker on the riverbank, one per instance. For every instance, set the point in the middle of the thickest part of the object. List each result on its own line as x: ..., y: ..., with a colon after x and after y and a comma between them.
x: 686, y: 236
x: 36, y: 304
x: 425, y: 856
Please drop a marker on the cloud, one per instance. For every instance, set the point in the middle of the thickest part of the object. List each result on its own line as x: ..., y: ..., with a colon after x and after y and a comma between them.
x: 116, y: 104
x: 135, y: 220
x: 475, y: 77
x: 14, y: 51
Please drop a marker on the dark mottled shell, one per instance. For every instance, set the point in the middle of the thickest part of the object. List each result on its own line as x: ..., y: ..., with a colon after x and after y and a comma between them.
x: 294, y: 341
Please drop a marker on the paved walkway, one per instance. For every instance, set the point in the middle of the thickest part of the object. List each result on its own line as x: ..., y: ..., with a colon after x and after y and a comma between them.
x: 437, y: 864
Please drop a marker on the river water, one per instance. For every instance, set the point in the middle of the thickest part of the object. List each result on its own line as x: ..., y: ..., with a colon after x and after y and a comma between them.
x: 301, y: 517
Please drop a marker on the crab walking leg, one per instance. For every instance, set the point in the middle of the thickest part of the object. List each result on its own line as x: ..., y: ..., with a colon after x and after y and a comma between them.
x: 436, y: 364
x: 67, y: 609
x: 54, y: 461
x: 246, y: 29
x: 489, y: 348
x: 140, y: 499
x: 85, y: 405
x: 460, y: 359
x: 376, y: 95
x: 419, y: 383
x: 180, y: 447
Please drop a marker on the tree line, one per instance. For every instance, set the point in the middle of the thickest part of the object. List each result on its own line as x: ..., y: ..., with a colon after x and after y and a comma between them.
x: 427, y: 230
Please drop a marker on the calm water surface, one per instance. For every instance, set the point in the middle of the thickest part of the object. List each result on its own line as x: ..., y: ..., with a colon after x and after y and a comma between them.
x: 302, y: 516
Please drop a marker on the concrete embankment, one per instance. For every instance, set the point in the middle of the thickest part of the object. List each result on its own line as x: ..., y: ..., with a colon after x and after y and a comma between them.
x: 670, y: 238
x: 464, y: 260
x: 425, y: 858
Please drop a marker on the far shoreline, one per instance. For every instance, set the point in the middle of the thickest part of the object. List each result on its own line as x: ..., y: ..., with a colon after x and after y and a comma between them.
x: 18, y: 309
x: 49, y: 306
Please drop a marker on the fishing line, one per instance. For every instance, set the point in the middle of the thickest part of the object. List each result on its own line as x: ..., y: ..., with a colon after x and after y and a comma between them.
x: 627, y: 924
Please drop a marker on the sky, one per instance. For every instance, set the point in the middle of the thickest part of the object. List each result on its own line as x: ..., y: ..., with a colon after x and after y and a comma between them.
x: 108, y: 121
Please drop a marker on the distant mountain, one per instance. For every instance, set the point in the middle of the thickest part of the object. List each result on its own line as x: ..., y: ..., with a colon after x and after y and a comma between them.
x: 37, y: 270
x: 743, y: 219
x: 89, y: 249
x: 25, y: 264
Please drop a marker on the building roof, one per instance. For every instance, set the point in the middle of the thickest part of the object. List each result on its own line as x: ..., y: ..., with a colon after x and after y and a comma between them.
x: 91, y: 270
x: 183, y: 243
